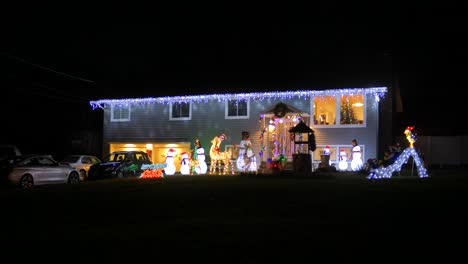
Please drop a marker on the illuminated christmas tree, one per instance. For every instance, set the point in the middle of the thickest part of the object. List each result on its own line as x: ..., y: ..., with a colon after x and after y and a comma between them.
x: 347, y: 113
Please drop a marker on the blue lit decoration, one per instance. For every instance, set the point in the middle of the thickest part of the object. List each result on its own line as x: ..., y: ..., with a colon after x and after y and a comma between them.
x: 387, y: 172
x: 378, y: 92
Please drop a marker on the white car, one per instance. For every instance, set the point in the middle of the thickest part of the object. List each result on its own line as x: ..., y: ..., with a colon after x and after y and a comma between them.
x: 80, y: 163
x: 29, y: 170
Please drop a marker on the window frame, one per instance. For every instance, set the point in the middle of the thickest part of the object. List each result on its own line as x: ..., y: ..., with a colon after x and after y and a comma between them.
x: 336, y: 150
x: 114, y: 119
x: 226, y: 110
x: 180, y: 118
x: 338, y: 114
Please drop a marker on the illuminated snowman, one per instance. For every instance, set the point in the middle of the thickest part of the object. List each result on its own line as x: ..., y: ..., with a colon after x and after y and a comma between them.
x: 201, y: 167
x: 170, y: 166
x: 343, y: 164
x: 185, y: 164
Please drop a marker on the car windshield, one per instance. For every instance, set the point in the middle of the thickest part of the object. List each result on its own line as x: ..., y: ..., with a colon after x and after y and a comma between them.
x: 115, y: 157
x: 71, y: 158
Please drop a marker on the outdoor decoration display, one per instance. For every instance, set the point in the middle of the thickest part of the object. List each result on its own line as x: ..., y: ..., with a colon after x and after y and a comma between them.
x: 275, y: 123
x: 387, y: 172
x: 200, y: 166
x: 185, y: 164
x: 246, y: 160
x: 152, y: 171
x: 410, y: 136
x: 170, y: 166
x: 343, y: 164
x: 356, y: 162
x: 278, y: 164
x: 220, y: 158
x: 377, y: 92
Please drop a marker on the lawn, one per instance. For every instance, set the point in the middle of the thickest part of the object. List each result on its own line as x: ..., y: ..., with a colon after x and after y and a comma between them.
x: 246, y: 218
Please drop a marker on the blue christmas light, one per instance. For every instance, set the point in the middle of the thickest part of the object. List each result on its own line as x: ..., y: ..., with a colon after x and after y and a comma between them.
x: 388, y: 171
x: 376, y: 91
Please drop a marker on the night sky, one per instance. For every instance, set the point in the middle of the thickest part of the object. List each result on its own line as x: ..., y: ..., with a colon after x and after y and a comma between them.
x: 52, y: 70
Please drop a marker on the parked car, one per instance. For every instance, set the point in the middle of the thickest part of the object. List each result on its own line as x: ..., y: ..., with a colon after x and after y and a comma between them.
x: 9, y: 151
x: 81, y: 163
x: 29, y: 170
x: 119, y: 164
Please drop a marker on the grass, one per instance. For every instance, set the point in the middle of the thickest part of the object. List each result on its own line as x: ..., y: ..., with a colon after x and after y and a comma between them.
x: 247, y: 217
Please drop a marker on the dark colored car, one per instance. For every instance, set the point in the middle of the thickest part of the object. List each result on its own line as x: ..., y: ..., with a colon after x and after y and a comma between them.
x: 119, y: 164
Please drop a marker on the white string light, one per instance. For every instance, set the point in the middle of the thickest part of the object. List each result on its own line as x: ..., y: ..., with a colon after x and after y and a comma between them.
x: 388, y: 171
x: 376, y: 91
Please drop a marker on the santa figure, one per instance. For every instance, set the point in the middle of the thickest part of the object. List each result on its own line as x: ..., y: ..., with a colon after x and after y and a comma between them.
x: 343, y: 164
x: 201, y: 167
x: 185, y: 164
x: 170, y: 166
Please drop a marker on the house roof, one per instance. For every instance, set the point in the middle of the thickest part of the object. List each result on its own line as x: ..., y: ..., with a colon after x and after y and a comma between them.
x: 376, y: 91
x: 281, y: 109
x: 301, y: 128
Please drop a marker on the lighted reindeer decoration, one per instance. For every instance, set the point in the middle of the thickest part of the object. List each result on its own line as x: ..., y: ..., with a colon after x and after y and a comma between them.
x: 219, y: 158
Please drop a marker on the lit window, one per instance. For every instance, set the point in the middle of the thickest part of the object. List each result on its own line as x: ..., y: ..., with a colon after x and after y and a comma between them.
x: 351, y: 109
x: 325, y: 110
x: 345, y: 110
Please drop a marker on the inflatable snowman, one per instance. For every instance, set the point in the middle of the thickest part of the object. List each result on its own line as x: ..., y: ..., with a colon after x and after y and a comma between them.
x: 185, y: 164
x: 343, y: 164
x: 201, y: 167
x: 170, y: 166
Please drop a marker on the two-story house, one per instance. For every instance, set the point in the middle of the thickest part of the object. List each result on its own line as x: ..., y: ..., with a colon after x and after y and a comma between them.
x: 155, y: 125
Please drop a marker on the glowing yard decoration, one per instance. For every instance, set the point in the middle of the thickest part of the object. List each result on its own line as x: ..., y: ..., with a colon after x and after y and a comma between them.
x: 170, y: 166
x: 185, y: 164
x: 378, y: 92
x: 152, y: 171
x: 410, y: 136
x: 388, y: 171
x: 343, y: 164
x: 201, y: 167
x: 219, y: 158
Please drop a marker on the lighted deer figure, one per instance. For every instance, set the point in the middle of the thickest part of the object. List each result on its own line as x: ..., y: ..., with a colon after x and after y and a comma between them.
x: 219, y: 158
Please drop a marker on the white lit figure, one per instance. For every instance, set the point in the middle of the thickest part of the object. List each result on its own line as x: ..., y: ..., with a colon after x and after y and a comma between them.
x: 170, y: 166
x: 246, y: 160
x: 252, y: 164
x: 388, y: 171
x: 356, y: 162
x: 241, y: 160
x: 185, y: 164
x: 343, y: 164
x: 201, y: 167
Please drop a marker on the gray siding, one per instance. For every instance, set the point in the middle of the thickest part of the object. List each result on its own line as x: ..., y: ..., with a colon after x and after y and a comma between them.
x: 366, y: 136
x: 150, y: 123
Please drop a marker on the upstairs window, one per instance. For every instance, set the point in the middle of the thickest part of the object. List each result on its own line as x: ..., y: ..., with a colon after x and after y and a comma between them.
x: 339, y: 111
x: 120, y: 113
x: 180, y: 111
x: 237, y: 109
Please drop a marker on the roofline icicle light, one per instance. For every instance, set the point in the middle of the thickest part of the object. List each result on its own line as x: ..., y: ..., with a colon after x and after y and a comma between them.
x: 376, y: 91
